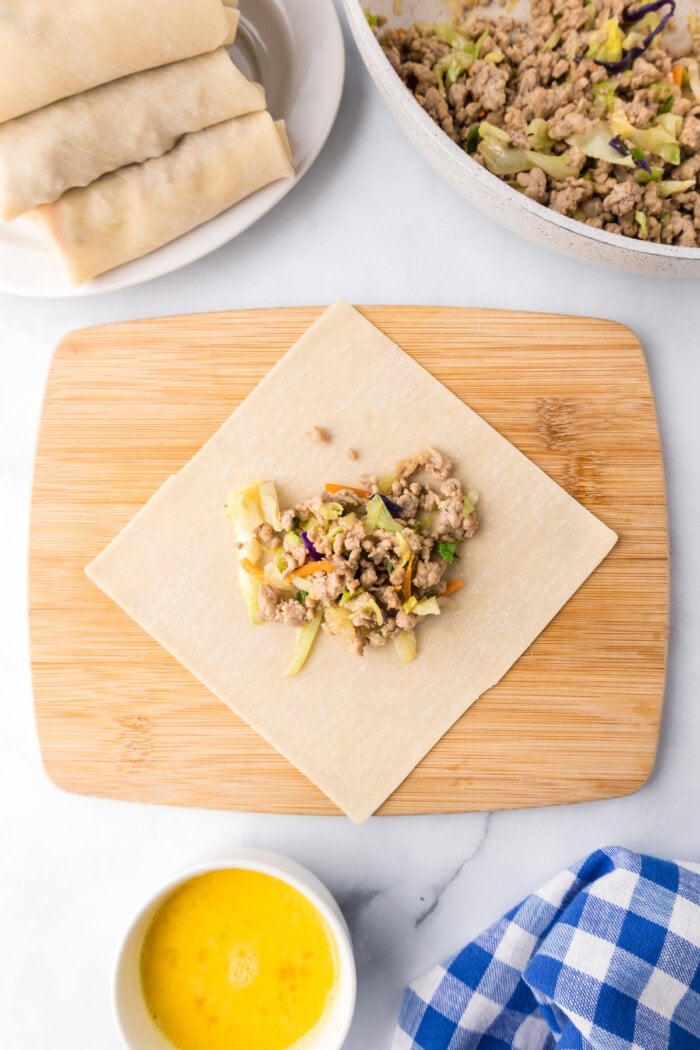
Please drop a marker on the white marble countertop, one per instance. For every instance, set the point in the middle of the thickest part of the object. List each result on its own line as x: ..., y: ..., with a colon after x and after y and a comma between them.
x: 371, y: 222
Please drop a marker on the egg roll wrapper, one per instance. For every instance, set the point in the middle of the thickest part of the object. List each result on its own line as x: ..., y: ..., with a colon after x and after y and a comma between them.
x: 132, y: 211
x: 52, y: 50
x: 75, y: 141
x: 233, y: 18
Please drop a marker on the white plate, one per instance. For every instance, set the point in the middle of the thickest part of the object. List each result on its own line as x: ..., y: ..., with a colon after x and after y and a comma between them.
x: 295, y: 49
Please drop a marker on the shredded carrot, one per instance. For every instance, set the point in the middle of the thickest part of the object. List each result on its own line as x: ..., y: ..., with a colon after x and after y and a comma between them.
x: 677, y: 74
x: 310, y: 567
x: 408, y: 576
x: 252, y: 570
x: 362, y: 493
x: 452, y: 586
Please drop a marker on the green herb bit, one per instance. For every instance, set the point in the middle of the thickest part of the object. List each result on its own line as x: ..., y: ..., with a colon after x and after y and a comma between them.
x: 448, y: 551
x: 667, y: 104
x: 372, y: 20
x: 301, y: 596
x: 389, y: 568
x: 472, y: 140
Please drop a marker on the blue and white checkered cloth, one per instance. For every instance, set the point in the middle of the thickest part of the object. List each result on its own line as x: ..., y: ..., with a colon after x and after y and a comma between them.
x: 605, y: 956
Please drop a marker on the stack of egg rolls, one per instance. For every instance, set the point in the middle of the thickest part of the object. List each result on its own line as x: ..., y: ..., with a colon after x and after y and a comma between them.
x: 125, y: 124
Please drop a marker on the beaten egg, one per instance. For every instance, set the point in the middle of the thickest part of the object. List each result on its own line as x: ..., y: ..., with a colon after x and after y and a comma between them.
x: 238, y: 960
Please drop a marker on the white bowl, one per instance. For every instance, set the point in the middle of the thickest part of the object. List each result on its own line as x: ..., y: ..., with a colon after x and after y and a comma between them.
x: 486, y: 191
x: 135, y: 1023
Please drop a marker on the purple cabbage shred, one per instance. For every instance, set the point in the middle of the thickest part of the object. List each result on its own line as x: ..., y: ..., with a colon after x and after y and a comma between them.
x: 624, y: 150
x: 635, y: 14
x: 618, y: 144
x: 392, y: 507
x: 310, y: 549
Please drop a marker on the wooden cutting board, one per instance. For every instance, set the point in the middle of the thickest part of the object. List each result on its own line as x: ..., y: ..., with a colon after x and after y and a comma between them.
x: 126, y: 405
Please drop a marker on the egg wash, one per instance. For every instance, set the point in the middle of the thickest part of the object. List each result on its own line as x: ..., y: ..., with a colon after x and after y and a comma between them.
x: 236, y: 959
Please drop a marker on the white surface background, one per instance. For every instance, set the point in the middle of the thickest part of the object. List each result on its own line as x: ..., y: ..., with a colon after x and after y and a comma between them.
x: 372, y: 223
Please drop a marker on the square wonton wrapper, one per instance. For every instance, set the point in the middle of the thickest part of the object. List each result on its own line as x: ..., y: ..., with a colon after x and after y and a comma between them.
x: 355, y: 726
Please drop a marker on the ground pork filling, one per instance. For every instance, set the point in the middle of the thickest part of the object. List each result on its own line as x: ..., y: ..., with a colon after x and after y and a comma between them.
x: 367, y: 564
x: 616, y: 148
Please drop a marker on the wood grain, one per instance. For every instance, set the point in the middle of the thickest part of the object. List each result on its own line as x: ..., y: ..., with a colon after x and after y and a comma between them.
x: 126, y: 405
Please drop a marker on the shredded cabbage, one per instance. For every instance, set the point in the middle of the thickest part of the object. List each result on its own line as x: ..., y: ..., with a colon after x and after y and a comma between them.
x: 378, y: 516
x: 406, y: 647
x: 305, y: 639
x: 537, y: 133
x: 502, y: 160
x: 465, y: 52
x: 243, y: 509
x: 337, y: 622
x: 491, y: 131
x: 603, y: 97
x: 553, y: 39
x: 367, y: 606
x: 641, y: 220
x: 250, y: 591
x: 596, y: 143
x: 637, y: 36
x: 691, y: 66
x: 267, y: 494
x: 451, y: 35
x: 660, y: 139
x: 606, y: 44
x: 667, y: 187
x: 330, y: 511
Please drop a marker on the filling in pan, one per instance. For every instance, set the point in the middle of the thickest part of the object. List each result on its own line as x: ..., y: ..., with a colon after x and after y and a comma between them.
x: 586, y: 107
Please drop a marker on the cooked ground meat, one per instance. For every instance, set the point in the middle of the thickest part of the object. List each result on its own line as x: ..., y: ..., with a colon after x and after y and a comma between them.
x: 372, y: 561
x: 616, y: 148
x: 318, y: 435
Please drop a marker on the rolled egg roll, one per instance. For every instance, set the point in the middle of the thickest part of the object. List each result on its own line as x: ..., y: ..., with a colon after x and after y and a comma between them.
x: 233, y: 17
x: 130, y: 212
x: 76, y: 140
x: 52, y: 50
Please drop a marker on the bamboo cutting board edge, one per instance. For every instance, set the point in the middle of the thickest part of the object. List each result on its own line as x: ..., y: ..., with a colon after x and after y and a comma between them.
x: 61, y: 752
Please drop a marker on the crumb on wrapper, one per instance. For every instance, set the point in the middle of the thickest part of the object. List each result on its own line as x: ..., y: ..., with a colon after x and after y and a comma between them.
x: 318, y: 435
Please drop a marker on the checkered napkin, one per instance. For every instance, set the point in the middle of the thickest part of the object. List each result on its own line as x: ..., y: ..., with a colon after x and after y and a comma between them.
x: 605, y: 956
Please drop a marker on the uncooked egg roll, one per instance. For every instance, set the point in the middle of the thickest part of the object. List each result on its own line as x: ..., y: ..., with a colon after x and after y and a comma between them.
x: 75, y: 141
x: 233, y: 17
x: 52, y: 50
x: 134, y: 210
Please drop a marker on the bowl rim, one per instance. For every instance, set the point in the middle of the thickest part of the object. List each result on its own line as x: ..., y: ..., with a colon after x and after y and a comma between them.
x: 279, y: 866
x: 405, y: 99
